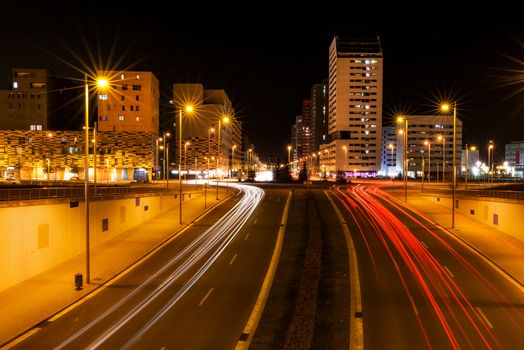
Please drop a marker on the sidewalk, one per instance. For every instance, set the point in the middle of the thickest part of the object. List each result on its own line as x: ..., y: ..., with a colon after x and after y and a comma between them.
x: 504, y: 250
x: 28, y: 303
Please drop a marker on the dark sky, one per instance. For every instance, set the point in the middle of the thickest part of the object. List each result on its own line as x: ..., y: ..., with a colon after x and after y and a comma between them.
x: 268, y: 58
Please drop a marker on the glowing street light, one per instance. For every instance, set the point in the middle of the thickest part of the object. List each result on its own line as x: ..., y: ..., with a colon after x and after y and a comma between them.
x: 345, y: 157
x: 185, y: 158
x: 400, y: 120
x: 429, y: 160
x: 100, y: 83
x: 188, y: 109
x: 289, y: 154
x: 446, y: 107
x: 472, y: 148
x: 490, y: 164
x: 225, y: 120
x: 233, y: 159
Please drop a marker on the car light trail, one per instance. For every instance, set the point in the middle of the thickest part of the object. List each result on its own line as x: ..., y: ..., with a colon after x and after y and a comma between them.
x: 436, y: 284
x: 209, y: 244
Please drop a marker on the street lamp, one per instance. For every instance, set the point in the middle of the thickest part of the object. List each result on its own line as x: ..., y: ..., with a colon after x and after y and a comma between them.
x: 185, y: 158
x: 429, y: 160
x: 100, y: 83
x: 209, y: 131
x: 490, y: 164
x: 390, y: 146
x: 446, y: 107
x: 225, y: 120
x: 166, y: 134
x: 233, y: 159
x: 400, y: 120
x: 288, y: 154
x: 345, y: 157
x: 188, y: 109
x: 441, y: 137
x: 466, y: 173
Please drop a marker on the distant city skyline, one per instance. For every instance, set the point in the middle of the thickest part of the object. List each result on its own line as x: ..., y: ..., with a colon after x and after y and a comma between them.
x: 269, y: 59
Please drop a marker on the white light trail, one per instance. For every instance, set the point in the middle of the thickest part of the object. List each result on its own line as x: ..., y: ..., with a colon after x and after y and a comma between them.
x: 213, y: 241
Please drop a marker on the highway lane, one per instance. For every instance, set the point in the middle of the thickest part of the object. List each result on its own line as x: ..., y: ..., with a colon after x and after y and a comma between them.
x: 423, y: 288
x: 197, y: 292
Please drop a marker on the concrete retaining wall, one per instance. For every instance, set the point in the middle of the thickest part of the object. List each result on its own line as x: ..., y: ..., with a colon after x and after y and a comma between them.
x: 507, y: 217
x: 36, y: 238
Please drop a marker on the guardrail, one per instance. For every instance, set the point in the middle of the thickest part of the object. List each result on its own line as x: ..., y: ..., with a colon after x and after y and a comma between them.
x: 515, y: 195
x: 14, y: 194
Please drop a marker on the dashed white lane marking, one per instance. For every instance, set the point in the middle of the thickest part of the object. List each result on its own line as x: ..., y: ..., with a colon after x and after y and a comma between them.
x: 413, y: 304
x: 247, y: 235
x: 232, y: 259
x: 484, y: 317
x: 205, y: 297
x: 449, y: 271
x: 424, y: 244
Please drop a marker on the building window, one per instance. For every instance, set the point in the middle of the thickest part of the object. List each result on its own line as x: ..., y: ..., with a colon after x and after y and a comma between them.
x: 103, y: 118
x: 122, y: 97
x: 38, y: 85
x: 131, y: 108
x: 35, y: 127
x: 63, y: 140
x: 121, y: 118
x: 137, y: 108
x: 121, y: 76
x: 137, y: 98
x: 138, y: 77
x: 102, y: 97
x: 137, y: 87
x: 124, y: 87
x: 15, y: 85
x: 137, y: 119
x: 123, y: 107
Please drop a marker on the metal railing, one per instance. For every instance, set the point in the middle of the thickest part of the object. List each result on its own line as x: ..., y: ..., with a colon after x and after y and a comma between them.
x: 17, y: 194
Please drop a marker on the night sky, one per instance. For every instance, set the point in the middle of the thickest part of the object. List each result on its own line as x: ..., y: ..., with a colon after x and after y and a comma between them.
x: 267, y: 59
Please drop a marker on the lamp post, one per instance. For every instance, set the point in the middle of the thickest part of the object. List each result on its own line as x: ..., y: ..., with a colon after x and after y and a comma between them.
x: 288, y: 154
x: 233, y: 159
x: 446, y: 107
x: 404, y: 120
x: 390, y: 146
x: 443, y: 139
x: 225, y: 120
x: 209, y: 131
x: 101, y: 83
x: 345, y: 157
x: 188, y: 109
x: 185, y: 158
x: 466, y: 173
x: 166, y: 134
x: 490, y: 164
x: 429, y: 160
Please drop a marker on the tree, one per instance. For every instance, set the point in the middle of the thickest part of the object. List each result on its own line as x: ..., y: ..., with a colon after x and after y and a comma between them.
x: 302, y: 176
x: 285, y: 174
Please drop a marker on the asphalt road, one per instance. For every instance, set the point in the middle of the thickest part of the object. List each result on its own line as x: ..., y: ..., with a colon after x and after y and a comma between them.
x: 421, y: 287
x: 197, y: 292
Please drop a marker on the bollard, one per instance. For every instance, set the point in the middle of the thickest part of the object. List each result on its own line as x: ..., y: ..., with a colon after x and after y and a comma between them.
x: 78, y: 281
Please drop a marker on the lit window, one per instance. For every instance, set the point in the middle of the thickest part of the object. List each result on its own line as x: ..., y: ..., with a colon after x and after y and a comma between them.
x: 103, y: 118
x: 137, y: 119
x: 102, y: 97
x: 121, y: 118
x: 121, y: 76
x: 15, y: 85
x: 138, y: 77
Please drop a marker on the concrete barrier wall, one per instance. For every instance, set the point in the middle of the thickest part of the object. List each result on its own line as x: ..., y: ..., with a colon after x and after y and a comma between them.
x: 36, y: 238
x: 507, y: 217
